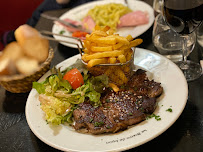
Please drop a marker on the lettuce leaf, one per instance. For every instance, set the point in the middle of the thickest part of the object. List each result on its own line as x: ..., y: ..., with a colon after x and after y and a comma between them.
x: 100, y: 82
x: 39, y: 87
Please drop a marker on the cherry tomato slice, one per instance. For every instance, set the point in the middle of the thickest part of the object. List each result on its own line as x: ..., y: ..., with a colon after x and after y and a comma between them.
x: 74, y: 77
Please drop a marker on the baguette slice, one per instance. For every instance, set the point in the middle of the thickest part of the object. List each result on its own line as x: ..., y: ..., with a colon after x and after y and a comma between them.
x: 33, y: 44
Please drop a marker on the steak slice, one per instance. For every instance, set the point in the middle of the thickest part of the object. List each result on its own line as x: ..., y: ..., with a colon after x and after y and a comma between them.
x: 143, y: 85
x: 120, y: 109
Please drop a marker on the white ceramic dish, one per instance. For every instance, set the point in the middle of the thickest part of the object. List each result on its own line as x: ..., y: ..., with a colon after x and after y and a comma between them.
x: 79, y: 12
x: 66, y: 138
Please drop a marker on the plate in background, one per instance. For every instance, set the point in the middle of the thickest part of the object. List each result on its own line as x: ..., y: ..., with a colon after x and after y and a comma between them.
x: 79, y: 12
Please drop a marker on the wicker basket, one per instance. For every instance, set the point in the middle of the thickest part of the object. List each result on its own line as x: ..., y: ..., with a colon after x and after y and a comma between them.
x: 23, y: 83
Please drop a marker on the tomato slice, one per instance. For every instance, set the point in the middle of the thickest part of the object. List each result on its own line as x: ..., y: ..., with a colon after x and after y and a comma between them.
x: 79, y: 34
x: 74, y: 77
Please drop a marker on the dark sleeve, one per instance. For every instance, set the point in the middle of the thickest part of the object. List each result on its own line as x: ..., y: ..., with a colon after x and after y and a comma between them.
x: 46, y: 5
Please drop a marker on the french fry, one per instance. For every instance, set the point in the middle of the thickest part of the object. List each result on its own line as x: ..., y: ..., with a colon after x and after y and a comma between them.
x: 129, y: 55
x: 97, y: 28
x: 104, y: 55
x: 122, y: 58
x: 135, y: 42
x: 92, y: 37
x: 118, y: 72
x: 101, y: 49
x: 124, y: 47
x: 102, y: 46
x: 129, y: 38
x: 100, y: 33
x: 112, y: 60
x: 83, y: 57
x: 125, y: 68
x: 87, y: 44
x: 86, y: 51
x: 110, y: 32
x: 122, y: 40
x: 117, y: 46
x: 105, y: 29
x: 94, y: 62
x: 104, y: 40
x: 114, y: 87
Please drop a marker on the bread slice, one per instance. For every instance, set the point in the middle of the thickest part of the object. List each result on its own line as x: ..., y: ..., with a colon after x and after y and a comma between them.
x: 33, y: 44
x: 26, y: 65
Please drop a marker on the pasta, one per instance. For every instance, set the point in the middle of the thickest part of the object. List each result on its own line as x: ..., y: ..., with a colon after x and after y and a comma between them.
x: 108, y: 14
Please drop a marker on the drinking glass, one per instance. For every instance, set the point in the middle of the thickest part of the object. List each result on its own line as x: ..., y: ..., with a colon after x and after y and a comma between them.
x: 158, y: 6
x: 168, y: 42
x: 184, y: 16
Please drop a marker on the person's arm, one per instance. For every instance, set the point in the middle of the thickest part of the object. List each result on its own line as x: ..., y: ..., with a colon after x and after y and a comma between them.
x: 62, y: 1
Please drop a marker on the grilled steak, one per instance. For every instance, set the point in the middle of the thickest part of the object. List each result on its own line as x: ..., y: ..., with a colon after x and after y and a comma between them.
x: 119, y: 109
x: 143, y: 85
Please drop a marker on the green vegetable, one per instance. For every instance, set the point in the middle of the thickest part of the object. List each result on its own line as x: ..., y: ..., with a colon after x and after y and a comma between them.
x: 100, y: 82
x: 39, y: 87
x: 57, y: 98
x: 157, y: 117
x: 169, y: 110
x: 62, y: 32
x: 98, y: 124
x: 54, y: 109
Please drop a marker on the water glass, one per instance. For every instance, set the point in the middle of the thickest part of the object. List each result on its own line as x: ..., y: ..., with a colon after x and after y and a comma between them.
x: 168, y: 42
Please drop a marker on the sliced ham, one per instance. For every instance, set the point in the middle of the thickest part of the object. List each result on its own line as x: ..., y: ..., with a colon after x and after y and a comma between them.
x: 88, y: 23
x: 133, y: 19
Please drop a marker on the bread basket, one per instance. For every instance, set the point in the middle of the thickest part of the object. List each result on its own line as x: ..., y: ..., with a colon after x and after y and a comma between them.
x: 20, y: 83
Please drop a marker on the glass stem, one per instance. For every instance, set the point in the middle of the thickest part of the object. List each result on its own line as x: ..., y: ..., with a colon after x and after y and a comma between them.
x: 184, y: 48
x: 184, y: 65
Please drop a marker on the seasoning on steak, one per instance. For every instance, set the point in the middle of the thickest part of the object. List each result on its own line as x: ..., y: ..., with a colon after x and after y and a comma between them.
x: 119, y: 109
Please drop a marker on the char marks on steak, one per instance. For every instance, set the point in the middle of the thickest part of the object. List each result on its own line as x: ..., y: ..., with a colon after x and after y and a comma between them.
x: 119, y: 109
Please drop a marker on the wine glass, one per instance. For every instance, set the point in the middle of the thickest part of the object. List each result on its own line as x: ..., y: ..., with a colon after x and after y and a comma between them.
x: 184, y: 16
x: 158, y: 6
x: 168, y: 42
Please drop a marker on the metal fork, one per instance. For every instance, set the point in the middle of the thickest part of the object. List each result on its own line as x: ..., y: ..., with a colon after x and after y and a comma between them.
x: 79, y: 27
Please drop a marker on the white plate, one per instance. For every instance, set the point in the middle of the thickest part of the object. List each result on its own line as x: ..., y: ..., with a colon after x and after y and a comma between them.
x: 79, y: 12
x: 66, y: 139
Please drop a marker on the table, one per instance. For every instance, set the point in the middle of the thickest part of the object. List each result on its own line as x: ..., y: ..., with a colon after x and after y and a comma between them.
x: 185, y: 135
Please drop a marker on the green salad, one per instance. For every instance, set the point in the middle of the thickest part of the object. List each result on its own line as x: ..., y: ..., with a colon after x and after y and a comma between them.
x: 62, y: 91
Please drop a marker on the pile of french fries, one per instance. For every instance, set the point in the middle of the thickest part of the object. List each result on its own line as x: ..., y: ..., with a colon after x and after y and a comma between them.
x: 102, y: 46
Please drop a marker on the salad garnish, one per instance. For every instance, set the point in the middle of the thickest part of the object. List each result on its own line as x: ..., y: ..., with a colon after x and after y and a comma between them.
x: 62, y: 91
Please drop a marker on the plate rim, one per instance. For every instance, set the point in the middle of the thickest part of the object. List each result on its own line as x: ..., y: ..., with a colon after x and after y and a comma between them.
x: 122, y: 148
x: 105, y: 1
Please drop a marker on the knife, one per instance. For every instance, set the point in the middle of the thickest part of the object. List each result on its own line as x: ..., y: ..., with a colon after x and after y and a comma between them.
x: 79, y: 27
